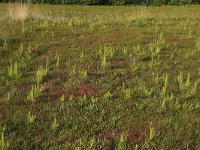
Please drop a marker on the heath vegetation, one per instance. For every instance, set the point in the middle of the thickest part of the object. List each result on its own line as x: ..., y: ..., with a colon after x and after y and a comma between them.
x: 91, y: 77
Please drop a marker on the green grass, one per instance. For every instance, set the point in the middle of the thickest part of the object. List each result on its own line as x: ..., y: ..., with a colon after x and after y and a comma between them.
x: 91, y: 77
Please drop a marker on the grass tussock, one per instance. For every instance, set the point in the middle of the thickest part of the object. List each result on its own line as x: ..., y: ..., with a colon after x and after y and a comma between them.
x: 18, y: 11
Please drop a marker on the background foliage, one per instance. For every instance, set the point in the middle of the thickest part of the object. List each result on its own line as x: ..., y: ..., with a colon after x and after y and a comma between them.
x: 115, y: 2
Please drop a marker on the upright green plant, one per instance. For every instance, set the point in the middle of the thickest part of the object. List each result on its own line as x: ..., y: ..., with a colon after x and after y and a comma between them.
x: 147, y: 92
x: 155, y: 50
x: 62, y: 99
x: 40, y: 74
x: 133, y: 66
x: 154, y: 63
x: 160, y: 40
x: 198, y: 43
x: 164, y: 88
x: 84, y: 74
x: 193, y: 89
x: 165, y: 99
x: 183, y: 85
x: 8, y: 96
x: 13, y: 70
x: 5, y: 44
x: 121, y: 141
x: 35, y: 92
x: 156, y: 78
x: 3, y: 144
x: 107, y: 51
x: 127, y: 93
x: 82, y: 55
x: 54, y: 125
x: 138, y: 50
x: 108, y: 95
x: 104, y: 62
x: 30, y: 117
x: 151, y: 131
x: 92, y: 143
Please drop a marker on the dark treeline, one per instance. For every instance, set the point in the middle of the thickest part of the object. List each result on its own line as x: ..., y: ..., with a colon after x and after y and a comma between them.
x: 114, y: 2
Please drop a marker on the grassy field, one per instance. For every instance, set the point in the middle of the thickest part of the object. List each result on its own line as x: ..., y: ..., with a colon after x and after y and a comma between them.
x: 86, y: 77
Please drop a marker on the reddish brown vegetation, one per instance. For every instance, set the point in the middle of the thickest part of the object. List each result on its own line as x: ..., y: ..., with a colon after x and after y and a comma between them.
x: 84, y: 90
x: 132, y: 137
x: 55, y: 92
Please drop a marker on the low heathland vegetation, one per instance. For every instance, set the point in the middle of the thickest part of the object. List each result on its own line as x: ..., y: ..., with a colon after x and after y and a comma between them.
x: 88, y: 77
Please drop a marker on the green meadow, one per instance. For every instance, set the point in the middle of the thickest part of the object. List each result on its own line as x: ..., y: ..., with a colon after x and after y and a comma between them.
x: 99, y: 77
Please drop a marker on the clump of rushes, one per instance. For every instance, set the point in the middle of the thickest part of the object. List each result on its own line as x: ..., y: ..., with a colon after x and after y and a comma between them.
x: 183, y: 85
x: 40, y: 73
x: 105, y: 53
x: 198, y: 43
x: 163, y: 91
x: 83, y: 74
x: 127, y: 93
x: 155, y: 50
x: 3, y: 144
x: 121, y: 143
x: 5, y: 44
x: 92, y: 143
x: 154, y: 63
x: 82, y: 55
x: 148, y: 92
x: 35, y: 92
x: 13, y: 70
x: 57, y: 61
x: 62, y: 99
x: 151, y: 131
x: 8, y: 96
x: 54, y: 125
x: 160, y: 41
x: 73, y: 71
x: 37, y: 88
x: 21, y: 48
x: 193, y: 89
x: 108, y: 95
x: 156, y: 78
x: 166, y: 98
x: 104, y: 62
x: 91, y: 26
x: 30, y: 117
x: 138, y: 50
x: 133, y: 66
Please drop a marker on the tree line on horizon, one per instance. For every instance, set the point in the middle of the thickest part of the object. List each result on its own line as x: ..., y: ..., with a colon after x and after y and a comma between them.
x: 112, y: 2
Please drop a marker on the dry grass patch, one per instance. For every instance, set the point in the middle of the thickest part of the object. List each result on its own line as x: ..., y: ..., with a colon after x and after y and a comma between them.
x: 18, y: 11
